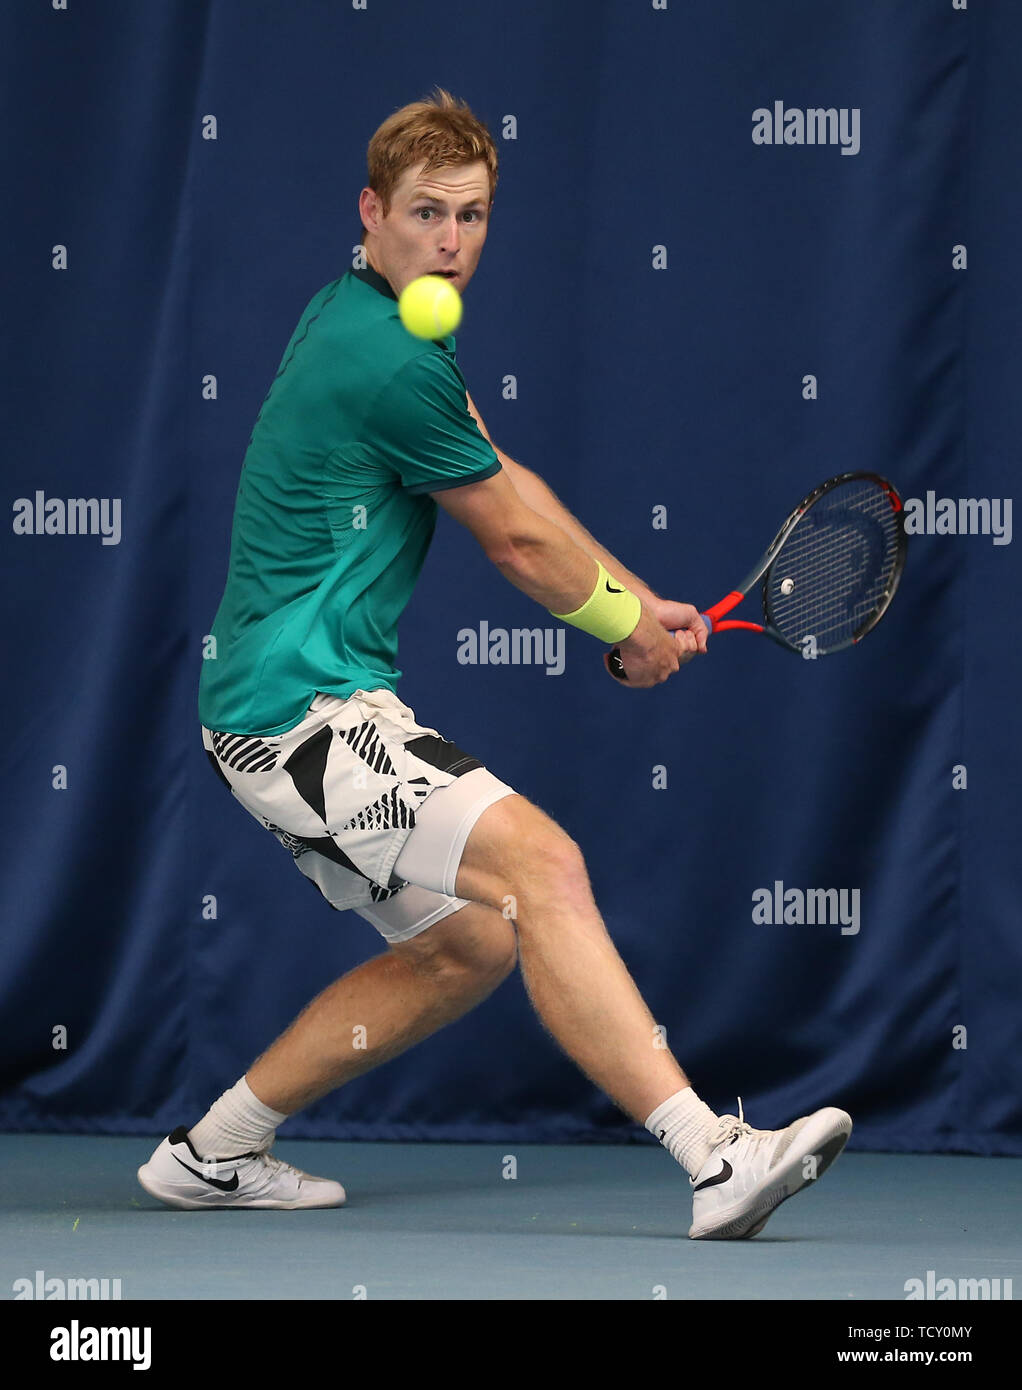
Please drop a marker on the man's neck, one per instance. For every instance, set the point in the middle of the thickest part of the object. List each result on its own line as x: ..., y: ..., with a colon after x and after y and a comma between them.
x: 371, y: 262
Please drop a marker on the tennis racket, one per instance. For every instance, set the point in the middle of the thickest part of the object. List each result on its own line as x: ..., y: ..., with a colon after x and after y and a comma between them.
x: 829, y: 574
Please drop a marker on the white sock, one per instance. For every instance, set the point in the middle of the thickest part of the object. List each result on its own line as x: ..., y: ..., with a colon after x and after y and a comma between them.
x: 237, y: 1123
x: 686, y: 1128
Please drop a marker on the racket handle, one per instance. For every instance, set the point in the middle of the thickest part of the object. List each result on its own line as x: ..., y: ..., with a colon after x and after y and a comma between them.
x: 616, y: 665
x: 614, y: 658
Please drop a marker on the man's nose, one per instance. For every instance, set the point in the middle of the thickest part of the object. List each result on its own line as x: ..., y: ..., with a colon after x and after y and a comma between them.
x: 451, y: 239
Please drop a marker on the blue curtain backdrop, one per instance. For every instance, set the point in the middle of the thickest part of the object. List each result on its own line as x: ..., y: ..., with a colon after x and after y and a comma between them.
x: 655, y: 290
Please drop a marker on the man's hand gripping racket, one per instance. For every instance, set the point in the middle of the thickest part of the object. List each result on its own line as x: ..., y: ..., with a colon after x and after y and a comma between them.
x: 829, y: 574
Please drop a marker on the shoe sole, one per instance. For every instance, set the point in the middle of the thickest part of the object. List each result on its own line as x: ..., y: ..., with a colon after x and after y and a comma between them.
x: 151, y: 1185
x: 782, y: 1183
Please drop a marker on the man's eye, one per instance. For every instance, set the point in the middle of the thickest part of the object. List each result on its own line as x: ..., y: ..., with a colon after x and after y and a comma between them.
x: 470, y: 213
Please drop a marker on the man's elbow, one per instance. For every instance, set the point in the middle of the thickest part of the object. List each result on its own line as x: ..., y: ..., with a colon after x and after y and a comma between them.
x: 515, y: 550
x: 504, y: 549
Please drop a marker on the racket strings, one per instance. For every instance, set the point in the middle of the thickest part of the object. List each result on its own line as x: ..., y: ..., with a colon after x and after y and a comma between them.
x: 837, y: 563
x: 838, y: 588
x: 836, y: 569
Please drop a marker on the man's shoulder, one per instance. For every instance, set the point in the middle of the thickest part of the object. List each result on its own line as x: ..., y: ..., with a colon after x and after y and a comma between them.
x: 419, y: 383
x: 354, y: 350
x: 359, y: 315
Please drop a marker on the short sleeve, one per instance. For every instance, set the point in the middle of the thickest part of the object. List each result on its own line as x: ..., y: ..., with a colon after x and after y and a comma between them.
x: 421, y: 427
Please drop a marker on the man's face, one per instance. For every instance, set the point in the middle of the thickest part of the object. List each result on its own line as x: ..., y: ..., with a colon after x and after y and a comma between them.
x: 436, y: 222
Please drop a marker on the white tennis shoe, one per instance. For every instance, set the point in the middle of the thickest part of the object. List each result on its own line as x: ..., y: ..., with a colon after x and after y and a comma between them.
x: 178, y: 1176
x: 750, y: 1171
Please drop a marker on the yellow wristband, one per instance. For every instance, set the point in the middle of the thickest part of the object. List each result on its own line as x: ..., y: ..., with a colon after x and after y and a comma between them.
x: 610, y: 612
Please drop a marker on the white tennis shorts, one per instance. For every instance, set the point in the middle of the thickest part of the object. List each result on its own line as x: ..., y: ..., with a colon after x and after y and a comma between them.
x: 374, y: 808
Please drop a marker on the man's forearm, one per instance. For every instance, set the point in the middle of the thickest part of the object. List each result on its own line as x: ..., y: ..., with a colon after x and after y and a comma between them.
x: 541, y: 498
x: 544, y: 561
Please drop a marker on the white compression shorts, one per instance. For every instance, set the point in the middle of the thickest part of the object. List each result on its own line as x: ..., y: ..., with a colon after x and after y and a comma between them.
x: 374, y: 807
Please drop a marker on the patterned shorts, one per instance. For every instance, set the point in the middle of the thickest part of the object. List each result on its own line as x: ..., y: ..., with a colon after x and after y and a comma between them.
x: 344, y: 790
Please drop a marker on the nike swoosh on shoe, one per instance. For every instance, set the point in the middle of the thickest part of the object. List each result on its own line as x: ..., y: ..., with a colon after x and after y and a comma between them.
x: 230, y: 1185
x: 725, y: 1173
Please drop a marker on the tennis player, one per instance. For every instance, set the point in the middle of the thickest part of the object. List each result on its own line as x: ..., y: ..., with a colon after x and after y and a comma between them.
x: 364, y: 433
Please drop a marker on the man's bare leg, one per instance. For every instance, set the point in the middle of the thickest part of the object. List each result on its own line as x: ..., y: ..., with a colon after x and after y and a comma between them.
x: 399, y: 998
x: 578, y: 983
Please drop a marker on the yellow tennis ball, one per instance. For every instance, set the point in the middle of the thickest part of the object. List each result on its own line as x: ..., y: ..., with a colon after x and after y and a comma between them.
x: 430, y: 307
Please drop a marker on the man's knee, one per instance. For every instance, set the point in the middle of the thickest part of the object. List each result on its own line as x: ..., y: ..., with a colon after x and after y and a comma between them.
x: 516, y: 855
x: 475, y: 943
x: 553, y: 860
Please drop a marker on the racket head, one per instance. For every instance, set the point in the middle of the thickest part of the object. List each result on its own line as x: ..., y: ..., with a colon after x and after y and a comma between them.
x: 835, y: 564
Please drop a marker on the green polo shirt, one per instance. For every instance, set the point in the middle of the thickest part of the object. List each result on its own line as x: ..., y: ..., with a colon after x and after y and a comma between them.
x: 333, y: 516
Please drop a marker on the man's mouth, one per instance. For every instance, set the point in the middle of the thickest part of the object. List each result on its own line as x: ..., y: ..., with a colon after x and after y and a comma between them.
x: 447, y: 274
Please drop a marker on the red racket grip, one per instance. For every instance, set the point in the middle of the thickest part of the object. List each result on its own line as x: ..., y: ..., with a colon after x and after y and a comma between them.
x: 713, y: 615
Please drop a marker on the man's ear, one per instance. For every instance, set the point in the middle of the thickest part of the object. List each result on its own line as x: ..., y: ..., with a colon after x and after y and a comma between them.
x: 369, y: 207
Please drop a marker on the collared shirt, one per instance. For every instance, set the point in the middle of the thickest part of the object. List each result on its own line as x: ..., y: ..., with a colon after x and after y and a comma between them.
x: 333, y: 516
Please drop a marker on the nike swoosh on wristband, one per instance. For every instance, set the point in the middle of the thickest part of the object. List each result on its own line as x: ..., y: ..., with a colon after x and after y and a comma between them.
x: 722, y: 1176
x: 228, y: 1186
x: 613, y: 591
